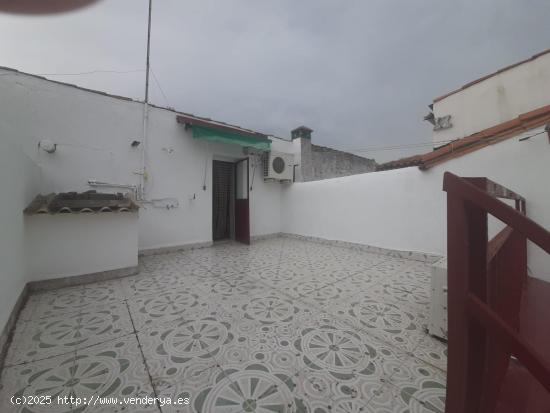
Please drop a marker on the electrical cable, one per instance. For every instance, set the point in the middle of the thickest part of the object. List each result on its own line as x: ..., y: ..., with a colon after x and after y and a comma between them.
x: 78, y: 73
x: 253, y: 174
x: 529, y: 137
x: 422, y: 144
x: 160, y: 87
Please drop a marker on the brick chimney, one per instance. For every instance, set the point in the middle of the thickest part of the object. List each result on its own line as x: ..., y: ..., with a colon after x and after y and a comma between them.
x: 305, y: 172
x: 301, y: 132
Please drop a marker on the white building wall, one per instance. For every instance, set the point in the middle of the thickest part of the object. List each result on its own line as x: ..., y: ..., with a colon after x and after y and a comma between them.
x: 64, y: 245
x: 405, y: 209
x: 94, y: 132
x: 497, y: 99
x: 19, y: 179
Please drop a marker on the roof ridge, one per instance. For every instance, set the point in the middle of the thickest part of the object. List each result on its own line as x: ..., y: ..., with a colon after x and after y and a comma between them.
x: 458, y: 147
x: 492, y: 74
x: 129, y: 99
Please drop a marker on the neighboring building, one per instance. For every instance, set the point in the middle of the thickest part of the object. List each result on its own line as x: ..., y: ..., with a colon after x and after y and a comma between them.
x: 492, y: 100
x: 500, y: 129
x: 497, y: 106
x: 314, y: 162
x: 521, y: 127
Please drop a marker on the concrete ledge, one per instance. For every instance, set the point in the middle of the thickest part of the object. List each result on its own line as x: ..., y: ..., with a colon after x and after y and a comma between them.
x: 174, y: 248
x: 7, y: 333
x: 409, y: 255
x: 75, y: 280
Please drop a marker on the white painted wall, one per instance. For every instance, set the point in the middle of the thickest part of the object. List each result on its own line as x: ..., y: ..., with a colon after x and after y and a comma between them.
x: 19, y: 179
x: 94, y: 132
x: 495, y: 100
x: 405, y: 209
x: 64, y: 245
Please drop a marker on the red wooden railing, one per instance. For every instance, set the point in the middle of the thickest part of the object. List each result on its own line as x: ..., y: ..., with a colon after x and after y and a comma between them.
x: 498, y: 346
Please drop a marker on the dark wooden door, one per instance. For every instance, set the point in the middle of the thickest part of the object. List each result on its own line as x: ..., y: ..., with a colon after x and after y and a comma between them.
x: 242, y: 206
x: 222, y: 182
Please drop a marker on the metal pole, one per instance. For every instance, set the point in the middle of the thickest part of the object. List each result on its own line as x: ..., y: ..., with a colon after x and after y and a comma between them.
x: 148, y: 52
x: 143, y: 171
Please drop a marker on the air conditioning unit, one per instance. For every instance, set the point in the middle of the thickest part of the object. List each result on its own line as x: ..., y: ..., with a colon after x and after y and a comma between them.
x: 278, y: 166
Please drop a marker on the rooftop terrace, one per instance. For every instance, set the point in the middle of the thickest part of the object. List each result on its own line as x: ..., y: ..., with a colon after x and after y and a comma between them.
x: 283, y: 325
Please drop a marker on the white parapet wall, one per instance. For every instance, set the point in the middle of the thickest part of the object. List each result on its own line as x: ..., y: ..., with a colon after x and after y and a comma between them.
x: 405, y: 209
x: 66, y: 245
x: 19, y: 180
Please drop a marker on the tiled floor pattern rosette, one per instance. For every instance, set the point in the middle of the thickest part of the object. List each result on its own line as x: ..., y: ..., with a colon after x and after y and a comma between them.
x: 283, y: 325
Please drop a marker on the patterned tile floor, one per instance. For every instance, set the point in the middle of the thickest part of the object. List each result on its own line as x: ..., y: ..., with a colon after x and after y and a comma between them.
x: 283, y: 325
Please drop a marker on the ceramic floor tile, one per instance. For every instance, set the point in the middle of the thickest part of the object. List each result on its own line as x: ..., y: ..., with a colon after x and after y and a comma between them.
x: 283, y: 324
x: 346, y: 354
x: 387, y: 399
x: 224, y: 270
x: 114, y: 369
x: 197, y: 272
x: 353, y: 266
x: 303, y: 288
x: 331, y: 275
x: 296, y: 265
x: 110, y: 288
x: 153, y: 284
x: 432, y: 351
x: 418, y: 272
x: 259, y: 261
x: 414, y: 297
x: 241, y: 287
x: 177, y: 351
x: 327, y: 295
x: 271, y: 307
x: 272, y: 276
x: 190, y: 392
x: 393, y: 265
x: 46, y: 379
x: 390, y: 399
x: 320, y: 392
x: 396, y: 325
x: 29, y: 310
x: 165, y: 307
x: 340, y: 364
x: 356, y: 284
x: 255, y: 387
x: 72, y: 299
x: 19, y: 343
x: 420, y: 380
x: 55, y: 335
x: 253, y: 341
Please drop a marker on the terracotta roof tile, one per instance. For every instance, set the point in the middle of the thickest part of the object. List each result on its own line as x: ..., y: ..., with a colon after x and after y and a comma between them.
x: 489, y: 136
x: 84, y: 202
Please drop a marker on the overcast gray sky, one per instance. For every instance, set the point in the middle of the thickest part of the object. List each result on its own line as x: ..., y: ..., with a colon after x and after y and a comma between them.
x: 359, y: 72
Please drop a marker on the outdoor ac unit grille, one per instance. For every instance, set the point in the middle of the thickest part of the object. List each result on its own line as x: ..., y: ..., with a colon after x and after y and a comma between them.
x: 266, y: 164
x: 278, y: 166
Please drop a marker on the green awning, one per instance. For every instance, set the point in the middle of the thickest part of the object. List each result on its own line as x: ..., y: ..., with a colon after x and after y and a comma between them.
x: 233, y: 138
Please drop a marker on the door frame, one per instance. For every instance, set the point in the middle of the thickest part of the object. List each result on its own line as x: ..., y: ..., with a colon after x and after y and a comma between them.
x: 242, y: 205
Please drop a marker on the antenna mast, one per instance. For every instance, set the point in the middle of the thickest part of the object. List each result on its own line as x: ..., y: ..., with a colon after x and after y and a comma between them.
x: 148, y: 52
x: 143, y: 172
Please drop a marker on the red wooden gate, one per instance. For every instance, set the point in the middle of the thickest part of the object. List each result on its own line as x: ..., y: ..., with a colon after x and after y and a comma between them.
x: 499, y: 317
